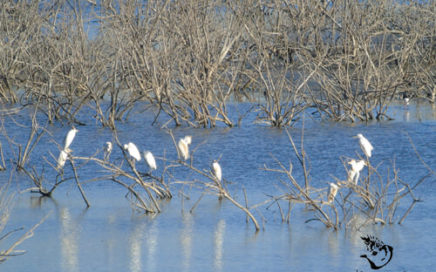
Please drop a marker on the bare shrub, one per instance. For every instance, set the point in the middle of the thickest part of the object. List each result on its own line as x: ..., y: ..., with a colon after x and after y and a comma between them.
x: 373, y: 198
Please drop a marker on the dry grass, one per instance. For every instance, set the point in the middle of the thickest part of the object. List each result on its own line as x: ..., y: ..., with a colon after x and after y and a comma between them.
x: 189, y: 59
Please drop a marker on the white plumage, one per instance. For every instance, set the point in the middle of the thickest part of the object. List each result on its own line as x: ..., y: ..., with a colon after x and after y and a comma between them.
x: 365, y: 145
x: 133, y: 151
x: 62, y: 159
x: 149, y: 158
x: 354, y: 172
x: 188, y: 139
x: 333, y: 190
x: 184, y: 146
x: 69, y: 138
x: 216, y: 169
x: 107, y: 150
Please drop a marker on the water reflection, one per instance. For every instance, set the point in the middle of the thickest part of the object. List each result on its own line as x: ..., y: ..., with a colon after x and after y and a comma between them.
x: 68, y: 238
x: 406, y: 115
x: 151, y: 240
x: 135, y: 241
x: 196, y: 243
x: 218, y: 244
x: 148, y: 233
x: 186, y: 240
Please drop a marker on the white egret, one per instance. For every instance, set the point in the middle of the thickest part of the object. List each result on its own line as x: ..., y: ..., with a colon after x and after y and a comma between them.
x: 365, y: 145
x: 184, y: 146
x: 107, y: 150
x: 333, y: 190
x: 149, y: 158
x: 406, y: 101
x: 69, y: 138
x: 62, y: 159
x: 354, y: 172
x: 133, y: 151
x: 216, y: 169
x: 188, y: 139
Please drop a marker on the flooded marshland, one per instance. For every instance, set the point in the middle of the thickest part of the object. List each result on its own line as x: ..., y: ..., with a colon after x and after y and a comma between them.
x: 272, y: 94
x: 213, y: 235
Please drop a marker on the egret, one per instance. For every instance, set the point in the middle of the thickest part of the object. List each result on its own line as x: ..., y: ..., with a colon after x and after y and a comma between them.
x: 188, y: 139
x: 133, y: 151
x: 69, y: 138
x: 354, y: 172
x: 333, y: 190
x: 149, y: 158
x: 184, y: 146
x: 107, y: 150
x: 62, y: 159
x: 365, y: 145
x: 216, y: 169
x: 406, y: 99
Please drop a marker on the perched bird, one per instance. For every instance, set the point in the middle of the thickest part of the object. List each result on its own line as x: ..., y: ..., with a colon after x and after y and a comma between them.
x: 69, y: 138
x: 184, y: 146
x: 365, y: 145
x: 107, y: 150
x: 149, y: 158
x: 188, y: 139
x: 62, y: 159
x: 133, y: 151
x: 216, y: 169
x: 406, y: 99
x: 333, y: 190
x: 354, y: 172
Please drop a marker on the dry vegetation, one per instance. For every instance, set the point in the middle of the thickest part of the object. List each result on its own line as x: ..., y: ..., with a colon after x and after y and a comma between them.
x: 188, y: 59
x: 353, y: 203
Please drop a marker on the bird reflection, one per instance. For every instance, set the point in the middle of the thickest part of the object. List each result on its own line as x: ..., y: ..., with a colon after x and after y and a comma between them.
x: 151, y: 235
x: 406, y: 115
x: 186, y: 240
x: 135, y: 241
x: 68, y: 238
x: 141, y: 233
x: 218, y: 244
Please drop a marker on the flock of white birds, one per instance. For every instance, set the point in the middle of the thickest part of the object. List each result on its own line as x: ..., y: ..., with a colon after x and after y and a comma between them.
x: 132, y: 149
x: 356, y: 167
x: 183, y: 148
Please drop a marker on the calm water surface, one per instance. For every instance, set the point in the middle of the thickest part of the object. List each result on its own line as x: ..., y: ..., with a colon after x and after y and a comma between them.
x: 111, y: 236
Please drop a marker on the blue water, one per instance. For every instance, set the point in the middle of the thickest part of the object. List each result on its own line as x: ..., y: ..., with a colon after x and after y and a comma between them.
x: 113, y: 236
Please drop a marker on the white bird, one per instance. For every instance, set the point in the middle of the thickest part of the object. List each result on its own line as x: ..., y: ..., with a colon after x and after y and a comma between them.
x: 69, y: 138
x: 406, y: 101
x: 184, y: 146
x: 365, y: 145
x: 354, y: 172
x: 62, y: 159
x: 333, y: 190
x: 216, y: 169
x: 107, y: 150
x: 133, y: 151
x: 149, y: 158
x: 188, y: 139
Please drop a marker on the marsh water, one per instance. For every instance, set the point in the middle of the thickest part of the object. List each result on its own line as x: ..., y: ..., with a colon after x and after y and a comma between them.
x: 111, y: 235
